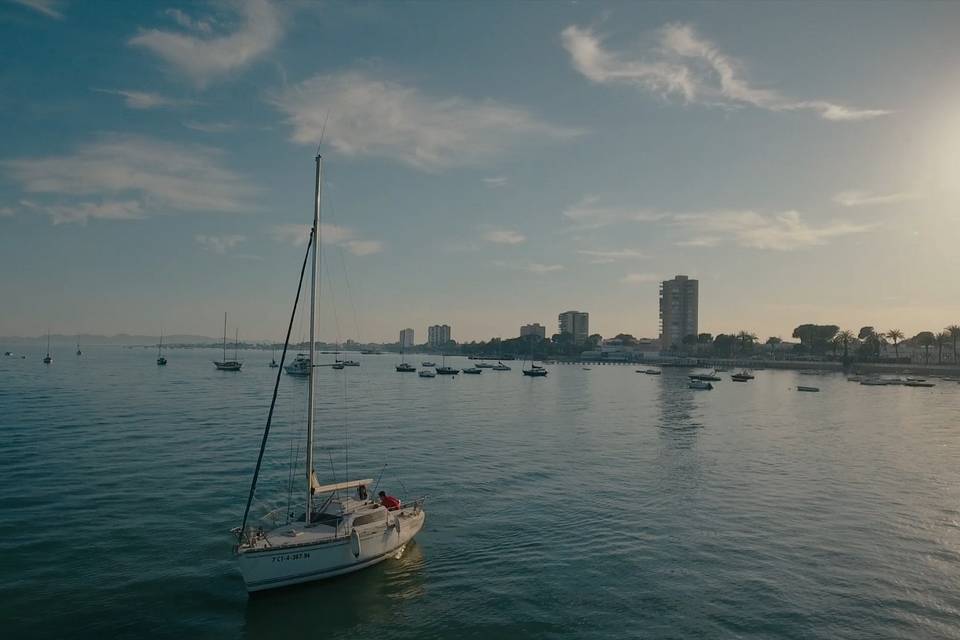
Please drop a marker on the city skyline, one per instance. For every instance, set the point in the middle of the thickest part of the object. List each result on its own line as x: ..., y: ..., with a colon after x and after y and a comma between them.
x: 142, y: 189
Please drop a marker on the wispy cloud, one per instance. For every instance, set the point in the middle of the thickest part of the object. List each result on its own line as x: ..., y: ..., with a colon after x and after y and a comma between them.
x: 332, y: 234
x: 535, y: 267
x: 683, y: 64
x: 49, y: 8
x: 606, y: 257
x: 639, y: 278
x: 785, y: 231
x: 146, y: 99
x: 363, y: 115
x: 504, y: 236
x: 495, y: 181
x: 220, y: 244
x: 700, y: 241
x: 203, y: 56
x: 590, y: 214
x: 129, y: 176
x: 855, y: 198
x: 211, y: 127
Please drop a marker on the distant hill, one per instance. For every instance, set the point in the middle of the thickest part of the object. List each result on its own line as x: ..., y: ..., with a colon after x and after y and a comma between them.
x: 120, y: 339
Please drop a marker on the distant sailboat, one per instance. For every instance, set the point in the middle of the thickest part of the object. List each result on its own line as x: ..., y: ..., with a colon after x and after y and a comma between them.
x: 273, y: 358
x: 47, y: 359
x: 404, y: 366
x: 79, y: 353
x: 161, y: 361
x: 444, y: 370
x: 228, y: 365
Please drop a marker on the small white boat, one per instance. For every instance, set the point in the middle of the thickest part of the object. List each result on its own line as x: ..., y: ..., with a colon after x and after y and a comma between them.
x: 426, y: 373
x: 484, y: 365
x: 701, y: 384
x: 300, y: 366
x: 473, y: 370
x: 428, y: 364
x: 800, y: 387
x: 500, y: 367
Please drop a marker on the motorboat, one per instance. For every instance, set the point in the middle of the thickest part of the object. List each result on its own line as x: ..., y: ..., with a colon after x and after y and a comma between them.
x: 874, y: 382
x: 349, y: 363
x: 428, y: 364
x: 337, y: 528
x: 473, y: 370
x: 300, y: 366
x: 705, y: 377
x: 426, y: 373
x: 801, y: 387
x: 652, y: 372
x: 742, y: 376
x: 500, y: 367
x: 406, y: 367
x: 483, y: 365
x: 535, y: 371
x: 918, y: 383
x: 700, y: 384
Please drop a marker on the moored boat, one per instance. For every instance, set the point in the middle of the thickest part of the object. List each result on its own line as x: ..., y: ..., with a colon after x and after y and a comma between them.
x: 700, y: 384
x: 801, y: 387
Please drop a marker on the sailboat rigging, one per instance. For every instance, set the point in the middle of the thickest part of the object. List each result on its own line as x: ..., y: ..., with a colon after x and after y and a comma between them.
x: 344, y: 532
x: 228, y: 365
x: 161, y: 361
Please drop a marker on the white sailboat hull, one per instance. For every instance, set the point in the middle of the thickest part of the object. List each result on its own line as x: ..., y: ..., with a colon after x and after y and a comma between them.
x: 278, y: 566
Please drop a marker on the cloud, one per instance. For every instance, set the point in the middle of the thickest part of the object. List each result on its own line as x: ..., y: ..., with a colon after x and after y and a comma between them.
x: 700, y: 241
x: 589, y: 214
x: 504, y: 236
x: 544, y: 268
x: 220, y: 244
x: 211, y: 127
x: 49, y: 8
x: 146, y: 100
x: 607, y: 257
x: 864, y: 198
x: 639, y: 278
x: 185, y: 21
x: 689, y: 67
x: 363, y: 115
x: 781, y: 232
x: 331, y: 234
x: 495, y: 181
x: 207, y: 57
x: 126, y: 176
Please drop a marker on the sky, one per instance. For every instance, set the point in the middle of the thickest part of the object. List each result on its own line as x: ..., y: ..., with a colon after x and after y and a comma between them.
x: 486, y: 165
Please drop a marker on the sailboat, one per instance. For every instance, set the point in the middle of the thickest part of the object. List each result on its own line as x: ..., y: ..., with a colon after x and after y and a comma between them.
x: 47, y: 359
x: 337, y: 529
x: 228, y: 365
x: 273, y: 356
x: 79, y: 353
x: 161, y: 361
x: 404, y: 366
x: 444, y: 370
x: 535, y: 370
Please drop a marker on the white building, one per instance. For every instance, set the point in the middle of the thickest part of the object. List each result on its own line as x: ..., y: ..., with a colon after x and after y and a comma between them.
x: 535, y: 329
x: 438, y: 335
x: 678, y: 310
x: 576, y: 323
x: 406, y: 338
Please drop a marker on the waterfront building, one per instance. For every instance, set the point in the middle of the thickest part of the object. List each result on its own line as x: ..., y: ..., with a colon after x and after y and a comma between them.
x: 678, y: 310
x: 576, y: 323
x: 406, y: 338
x: 438, y: 335
x: 535, y: 329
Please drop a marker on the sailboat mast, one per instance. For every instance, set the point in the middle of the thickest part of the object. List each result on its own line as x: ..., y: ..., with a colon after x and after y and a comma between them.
x: 314, y: 266
x: 224, y: 336
x: 236, y: 343
x: 160, y: 346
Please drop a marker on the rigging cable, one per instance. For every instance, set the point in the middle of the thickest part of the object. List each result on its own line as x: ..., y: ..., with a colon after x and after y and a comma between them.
x: 276, y: 387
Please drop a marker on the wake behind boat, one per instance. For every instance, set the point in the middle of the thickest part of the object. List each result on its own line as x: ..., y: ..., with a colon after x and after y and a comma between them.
x: 337, y: 529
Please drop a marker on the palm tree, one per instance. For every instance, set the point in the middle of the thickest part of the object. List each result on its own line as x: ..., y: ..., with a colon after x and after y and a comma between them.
x: 954, y: 331
x: 896, y: 336
x: 845, y: 338
x: 746, y: 340
x: 772, y: 342
x: 942, y: 338
x: 925, y: 339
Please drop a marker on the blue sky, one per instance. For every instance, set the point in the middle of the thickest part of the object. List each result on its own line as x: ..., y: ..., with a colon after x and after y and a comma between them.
x: 488, y: 164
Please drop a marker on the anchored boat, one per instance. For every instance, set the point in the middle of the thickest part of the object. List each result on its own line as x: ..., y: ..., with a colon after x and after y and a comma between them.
x: 337, y: 529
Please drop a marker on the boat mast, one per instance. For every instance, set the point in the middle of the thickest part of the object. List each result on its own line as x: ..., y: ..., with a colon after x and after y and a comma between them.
x: 224, y: 336
x: 314, y: 265
x: 236, y: 342
x: 160, y: 346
